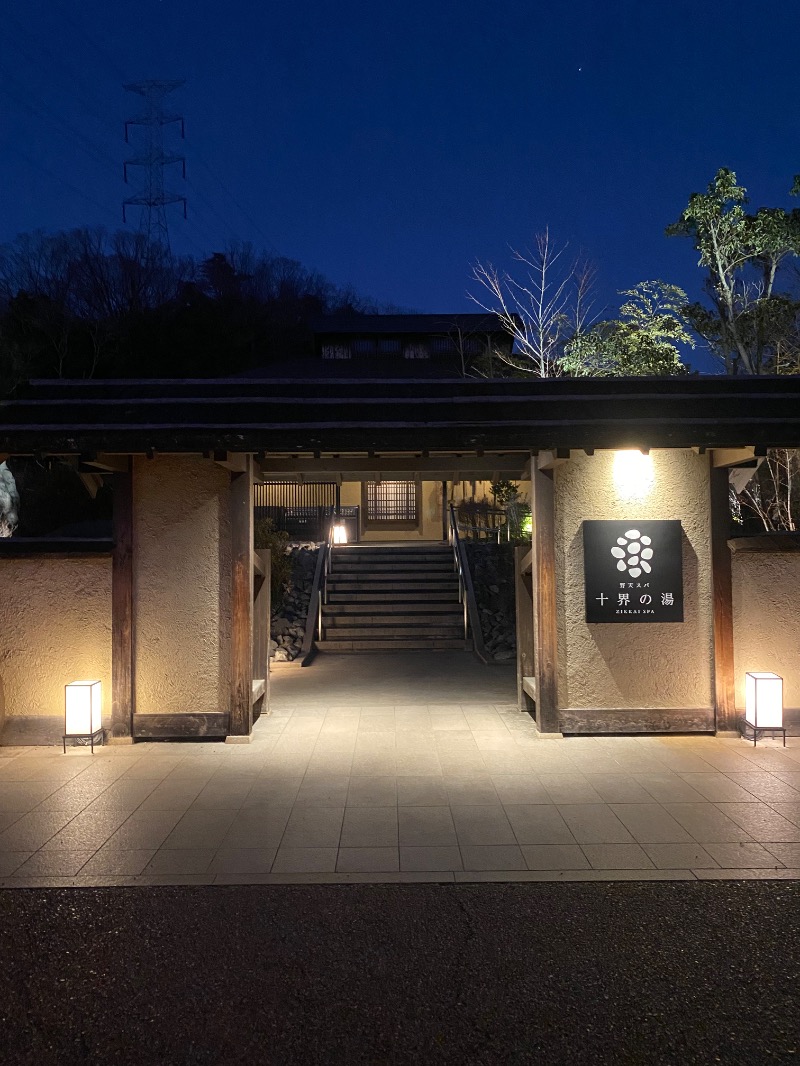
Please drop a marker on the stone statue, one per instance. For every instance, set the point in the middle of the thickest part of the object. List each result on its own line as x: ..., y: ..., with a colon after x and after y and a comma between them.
x: 9, y: 502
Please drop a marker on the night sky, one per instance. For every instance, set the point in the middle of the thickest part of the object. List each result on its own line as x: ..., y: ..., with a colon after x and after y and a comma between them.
x: 390, y: 145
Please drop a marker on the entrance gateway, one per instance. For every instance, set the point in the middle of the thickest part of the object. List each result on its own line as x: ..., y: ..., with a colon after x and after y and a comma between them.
x: 167, y: 615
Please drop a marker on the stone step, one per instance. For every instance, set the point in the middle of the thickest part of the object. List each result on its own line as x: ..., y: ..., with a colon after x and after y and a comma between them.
x: 385, y: 628
x: 379, y: 596
x: 397, y: 644
x: 427, y: 566
x: 435, y: 610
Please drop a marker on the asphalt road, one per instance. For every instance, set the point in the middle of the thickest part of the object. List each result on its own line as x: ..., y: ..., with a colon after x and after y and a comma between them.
x: 682, y: 972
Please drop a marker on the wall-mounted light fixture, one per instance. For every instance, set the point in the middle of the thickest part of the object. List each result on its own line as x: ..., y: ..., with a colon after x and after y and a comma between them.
x: 763, y: 705
x: 633, y: 474
x: 339, y: 533
x: 82, y: 712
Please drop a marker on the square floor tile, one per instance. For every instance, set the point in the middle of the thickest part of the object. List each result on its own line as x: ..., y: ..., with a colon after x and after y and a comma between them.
x: 617, y: 857
x: 144, y: 829
x: 372, y: 792
x: 668, y: 788
x: 492, y: 857
x: 706, y: 823
x: 32, y: 830
x: 788, y: 854
x: 554, y: 857
x: 569, y: 788
x: 428, y: 791
x: 54, y: 864
x: 323, y: 791
x: 11, y: 861
x: 180, y: 861
x: 476, y: 789
x: 520, y: 788
x: 369, y: 827
x: 762, y: 822
x: 482, y: 824
x: 538, y: 823
x: 314, y: 827
x: 292, y: 860
x: 243, y: 860
x: 718, y: 787
x: 679, y: 856
x: 368, y: 860
x: 743, y: 856
x: 594, y: 823
x: 618, y: 788
x: 257, y: 827
x: 426, y: 826
x: 106, y: 863
x: 200, y: 829
x: 650, y: 823
x: 427, y: 859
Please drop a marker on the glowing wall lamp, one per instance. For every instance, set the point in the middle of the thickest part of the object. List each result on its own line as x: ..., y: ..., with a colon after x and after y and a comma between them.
x: 763, y: 705
x: 82, y: 712
x: 340, y: 533
x: 633, y: 474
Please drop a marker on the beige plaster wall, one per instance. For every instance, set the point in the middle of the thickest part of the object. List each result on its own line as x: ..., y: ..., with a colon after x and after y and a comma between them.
x: 666, y: 665
x: 56, y: 629
x: 182, y: 585
x: 766, y: 621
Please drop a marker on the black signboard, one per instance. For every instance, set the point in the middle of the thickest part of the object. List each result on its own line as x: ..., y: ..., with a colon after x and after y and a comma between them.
x: 633, y: 571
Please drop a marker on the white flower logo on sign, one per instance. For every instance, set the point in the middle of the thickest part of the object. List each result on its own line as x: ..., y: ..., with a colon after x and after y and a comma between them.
x: 633, y: 553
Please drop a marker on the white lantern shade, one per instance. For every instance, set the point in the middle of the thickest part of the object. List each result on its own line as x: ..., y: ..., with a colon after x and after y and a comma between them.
x: 340, y: 533
x: 764, y: 700
x: 82, y: 708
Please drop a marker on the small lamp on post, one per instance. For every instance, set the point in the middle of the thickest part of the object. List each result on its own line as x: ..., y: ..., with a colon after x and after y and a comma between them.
x: 82, y: 712
x: 763, y: 705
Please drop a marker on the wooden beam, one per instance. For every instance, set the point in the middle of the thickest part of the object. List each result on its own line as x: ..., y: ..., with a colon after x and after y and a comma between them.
x: 771, y: 543
x: 236, y: 462
x: 722, y: 591
x: 435, y: 468
x: 241, y: 513
x: 122, y: 622
x: 544, y: 598
x: 526, y: 562
x: 732, y: 456
x: 111, y: 463
x: 524, y: 622
x: 549, y: 460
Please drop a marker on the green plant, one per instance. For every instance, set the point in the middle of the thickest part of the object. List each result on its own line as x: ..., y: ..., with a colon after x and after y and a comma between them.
x: 267, y: 536
x: 504, y: 492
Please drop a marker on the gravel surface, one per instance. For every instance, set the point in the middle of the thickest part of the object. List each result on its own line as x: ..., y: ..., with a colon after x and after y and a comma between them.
x: 537, y: 973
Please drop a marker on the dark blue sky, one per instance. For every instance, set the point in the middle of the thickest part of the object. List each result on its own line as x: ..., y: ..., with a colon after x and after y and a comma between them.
x: 391, y: 145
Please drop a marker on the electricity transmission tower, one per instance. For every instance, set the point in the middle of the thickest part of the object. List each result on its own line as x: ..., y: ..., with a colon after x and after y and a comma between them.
x: 152, y: 196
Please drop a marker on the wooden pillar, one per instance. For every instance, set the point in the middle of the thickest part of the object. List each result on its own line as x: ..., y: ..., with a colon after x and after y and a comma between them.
x: 122, y: 676
x: 241, y: 512
x: 544, y: 596
x: 724, y: 689
x: 524, y: 615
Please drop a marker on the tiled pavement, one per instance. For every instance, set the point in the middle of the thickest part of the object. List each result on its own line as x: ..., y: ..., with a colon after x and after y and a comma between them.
x: 336, y: 791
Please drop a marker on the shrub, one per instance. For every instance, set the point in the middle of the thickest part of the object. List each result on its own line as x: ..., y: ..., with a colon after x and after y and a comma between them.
x: 267, y: 536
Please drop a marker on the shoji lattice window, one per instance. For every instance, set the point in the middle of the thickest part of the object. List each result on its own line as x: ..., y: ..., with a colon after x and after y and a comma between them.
x: 391, y: 501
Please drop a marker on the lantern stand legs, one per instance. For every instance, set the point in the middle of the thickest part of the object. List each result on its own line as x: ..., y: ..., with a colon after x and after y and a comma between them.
x: 87, y: 736
x: 758, y: 731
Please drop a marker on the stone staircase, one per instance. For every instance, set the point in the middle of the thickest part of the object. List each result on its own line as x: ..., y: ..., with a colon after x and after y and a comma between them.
x: 392, y: 598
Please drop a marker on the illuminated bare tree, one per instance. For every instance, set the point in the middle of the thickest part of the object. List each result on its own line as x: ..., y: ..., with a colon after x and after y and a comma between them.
x: 544, y: 304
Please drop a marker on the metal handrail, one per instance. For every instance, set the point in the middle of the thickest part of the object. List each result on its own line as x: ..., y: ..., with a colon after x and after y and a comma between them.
x: 318, y: 593
x: 466, y: 591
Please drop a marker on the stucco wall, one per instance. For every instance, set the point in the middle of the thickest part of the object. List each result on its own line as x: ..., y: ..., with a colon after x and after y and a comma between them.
x: 766, y: 613
x: 56, y: 629
x: 645, y: 665
x: 182, y: 585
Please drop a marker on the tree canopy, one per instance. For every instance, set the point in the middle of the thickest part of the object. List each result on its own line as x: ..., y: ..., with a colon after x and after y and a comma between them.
x: 749, y: 322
